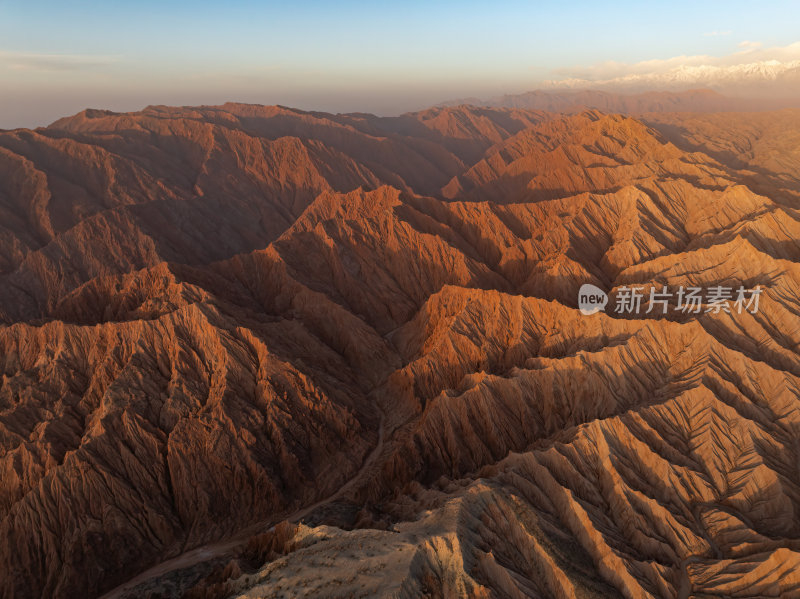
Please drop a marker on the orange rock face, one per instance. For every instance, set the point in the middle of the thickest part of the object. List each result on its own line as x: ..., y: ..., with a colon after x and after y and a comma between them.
x: 253, y: 351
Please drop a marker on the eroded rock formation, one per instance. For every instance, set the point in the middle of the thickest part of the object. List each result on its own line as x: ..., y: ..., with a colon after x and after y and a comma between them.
x: 218, y: 319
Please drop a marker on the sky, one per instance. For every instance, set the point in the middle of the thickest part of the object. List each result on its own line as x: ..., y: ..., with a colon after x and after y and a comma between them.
x: 57, y: 58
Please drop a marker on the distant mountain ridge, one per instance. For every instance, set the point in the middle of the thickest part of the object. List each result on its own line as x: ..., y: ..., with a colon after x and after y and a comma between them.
x: 576, y: 100
x: 761, y: 78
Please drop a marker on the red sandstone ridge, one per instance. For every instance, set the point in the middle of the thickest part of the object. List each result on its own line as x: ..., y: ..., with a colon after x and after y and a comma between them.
x: 250, y: 350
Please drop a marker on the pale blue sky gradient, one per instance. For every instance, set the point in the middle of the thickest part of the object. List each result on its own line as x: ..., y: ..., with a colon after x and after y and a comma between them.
x: 386, y: 57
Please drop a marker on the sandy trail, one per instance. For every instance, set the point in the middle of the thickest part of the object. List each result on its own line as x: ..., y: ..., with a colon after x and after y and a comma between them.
x: 220, y: 548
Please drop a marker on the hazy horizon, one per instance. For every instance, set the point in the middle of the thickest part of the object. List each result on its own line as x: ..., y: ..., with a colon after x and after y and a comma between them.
x: 56, y: 60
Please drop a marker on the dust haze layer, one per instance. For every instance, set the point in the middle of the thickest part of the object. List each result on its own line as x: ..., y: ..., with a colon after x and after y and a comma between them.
x: 253, y: 351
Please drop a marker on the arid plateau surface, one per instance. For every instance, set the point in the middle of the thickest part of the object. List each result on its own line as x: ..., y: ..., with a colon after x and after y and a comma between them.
x: 253, y: 351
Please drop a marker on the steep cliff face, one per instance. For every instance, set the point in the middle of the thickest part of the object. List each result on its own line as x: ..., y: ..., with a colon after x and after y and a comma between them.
x: 218, y: 318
